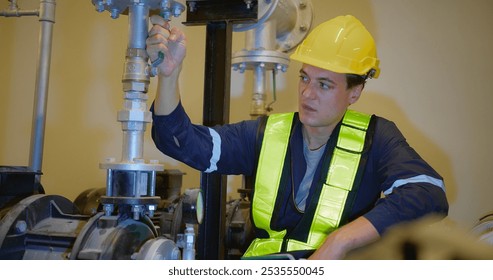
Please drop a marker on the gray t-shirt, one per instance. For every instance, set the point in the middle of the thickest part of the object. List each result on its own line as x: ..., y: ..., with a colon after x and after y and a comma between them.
x: 312, y: 158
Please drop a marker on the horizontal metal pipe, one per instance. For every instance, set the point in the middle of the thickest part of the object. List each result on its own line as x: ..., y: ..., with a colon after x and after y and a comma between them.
x: 19, y: 13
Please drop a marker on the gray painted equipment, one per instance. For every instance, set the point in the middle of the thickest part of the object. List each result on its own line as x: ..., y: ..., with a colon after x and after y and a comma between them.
x: 52, y: 227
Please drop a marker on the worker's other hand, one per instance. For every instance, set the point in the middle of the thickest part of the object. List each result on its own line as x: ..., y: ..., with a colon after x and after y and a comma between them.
x: 170, y: 41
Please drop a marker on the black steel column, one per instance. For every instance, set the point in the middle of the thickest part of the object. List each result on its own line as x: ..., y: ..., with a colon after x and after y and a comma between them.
x: 216, y: 112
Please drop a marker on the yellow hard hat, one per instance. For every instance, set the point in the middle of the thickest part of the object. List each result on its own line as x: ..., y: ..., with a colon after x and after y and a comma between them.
x: 341, y: 45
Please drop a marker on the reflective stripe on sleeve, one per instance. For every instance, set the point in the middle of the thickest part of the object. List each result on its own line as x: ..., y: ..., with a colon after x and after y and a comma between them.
x: 416, y: 179
x: 216, y: 151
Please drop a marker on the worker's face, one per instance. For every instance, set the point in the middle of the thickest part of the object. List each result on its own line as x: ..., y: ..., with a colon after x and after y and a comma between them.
x: 323, y: 96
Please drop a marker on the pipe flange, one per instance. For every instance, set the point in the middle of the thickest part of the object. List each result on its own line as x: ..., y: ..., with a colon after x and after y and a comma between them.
x: 304, y: 18
x: 247, y: 60
x: 132, y: 166
x: 149, y: 200
x: 117, y: 7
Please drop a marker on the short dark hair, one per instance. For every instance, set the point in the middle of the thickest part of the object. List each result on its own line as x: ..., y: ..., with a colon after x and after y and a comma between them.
x: 353, y: 80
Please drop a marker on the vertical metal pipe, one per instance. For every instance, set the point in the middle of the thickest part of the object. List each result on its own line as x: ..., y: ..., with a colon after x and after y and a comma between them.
x: 263, y: 37
x: 259, y: 96
x: 109, y: 182
x: 216, y: 112
x: 259, y: 79
x: 133, y: 144
x: 138, y: 18
x: 152, y: 183
x: 134, y: 73
x: 47, y: 19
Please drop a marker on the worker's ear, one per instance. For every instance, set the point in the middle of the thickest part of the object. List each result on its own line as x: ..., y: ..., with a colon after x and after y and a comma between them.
x: 354, y: 94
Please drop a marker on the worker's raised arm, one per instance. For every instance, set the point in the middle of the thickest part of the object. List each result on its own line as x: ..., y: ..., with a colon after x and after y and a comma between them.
x: 170, y: 46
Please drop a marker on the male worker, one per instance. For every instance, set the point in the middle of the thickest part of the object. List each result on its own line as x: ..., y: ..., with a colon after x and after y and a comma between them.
x: 320, y: 171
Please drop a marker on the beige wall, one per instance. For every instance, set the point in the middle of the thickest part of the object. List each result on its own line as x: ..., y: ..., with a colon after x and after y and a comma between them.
x: 435, y: 84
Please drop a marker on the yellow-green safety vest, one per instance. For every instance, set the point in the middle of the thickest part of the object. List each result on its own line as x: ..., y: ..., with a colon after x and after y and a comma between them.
x: 339, y: 182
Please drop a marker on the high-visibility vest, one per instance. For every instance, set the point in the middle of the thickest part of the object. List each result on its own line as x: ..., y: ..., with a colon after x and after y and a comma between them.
x: 333, y: 197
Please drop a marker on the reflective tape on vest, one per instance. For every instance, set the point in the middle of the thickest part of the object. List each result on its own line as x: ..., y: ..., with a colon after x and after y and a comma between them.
x: 269, y: 171
x: 331, y: 203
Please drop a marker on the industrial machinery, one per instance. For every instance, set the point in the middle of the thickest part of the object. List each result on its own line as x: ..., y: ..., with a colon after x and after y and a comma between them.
x: 51, y: 227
